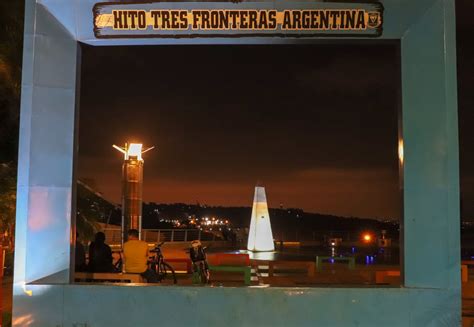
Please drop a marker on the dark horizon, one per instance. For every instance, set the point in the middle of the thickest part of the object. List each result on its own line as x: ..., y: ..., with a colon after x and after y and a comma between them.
x: 249, y: 207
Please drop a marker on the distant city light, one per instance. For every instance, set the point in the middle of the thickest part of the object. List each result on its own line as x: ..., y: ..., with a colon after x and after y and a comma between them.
x: 367, y: 238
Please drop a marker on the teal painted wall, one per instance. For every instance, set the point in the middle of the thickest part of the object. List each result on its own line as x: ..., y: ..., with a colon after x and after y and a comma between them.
x: 430, y: 177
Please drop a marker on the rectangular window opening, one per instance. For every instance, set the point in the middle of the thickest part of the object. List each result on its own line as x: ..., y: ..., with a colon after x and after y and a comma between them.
x: 291, y: 151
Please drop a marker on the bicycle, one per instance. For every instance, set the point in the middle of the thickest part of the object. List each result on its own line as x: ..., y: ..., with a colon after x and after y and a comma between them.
x: 201, y: 273
x: 160, y: 266
x: 198, y: 257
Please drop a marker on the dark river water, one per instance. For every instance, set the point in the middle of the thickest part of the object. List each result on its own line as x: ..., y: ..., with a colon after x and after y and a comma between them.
x: 363, y: 255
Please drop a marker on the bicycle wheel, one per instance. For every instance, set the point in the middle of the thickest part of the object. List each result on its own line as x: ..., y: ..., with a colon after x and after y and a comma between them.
x: 118, y: 265
x: 203, y: 274
x: 204, y: 278
x: 166, y: 270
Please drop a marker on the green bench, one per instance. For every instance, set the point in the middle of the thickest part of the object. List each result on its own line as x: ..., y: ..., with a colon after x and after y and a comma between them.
x: 320, y: 259
x: 243, y: 269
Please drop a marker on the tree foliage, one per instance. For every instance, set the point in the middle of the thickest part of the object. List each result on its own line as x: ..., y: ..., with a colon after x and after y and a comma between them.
x: 11, y: 53
x: 11, y: 45
x: 91, y: 209
x: 7, y: 198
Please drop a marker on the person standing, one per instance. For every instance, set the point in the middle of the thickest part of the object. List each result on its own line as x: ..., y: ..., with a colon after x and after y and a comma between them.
x: 135, y: 257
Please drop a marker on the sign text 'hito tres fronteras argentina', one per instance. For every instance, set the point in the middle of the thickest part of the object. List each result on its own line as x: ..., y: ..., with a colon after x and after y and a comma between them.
x: 127, y: 20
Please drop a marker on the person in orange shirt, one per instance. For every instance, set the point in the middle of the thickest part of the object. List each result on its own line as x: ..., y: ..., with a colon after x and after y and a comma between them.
x: 135, y: 257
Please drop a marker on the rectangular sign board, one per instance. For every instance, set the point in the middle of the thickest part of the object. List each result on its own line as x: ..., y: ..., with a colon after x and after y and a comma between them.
x: 214, y: 19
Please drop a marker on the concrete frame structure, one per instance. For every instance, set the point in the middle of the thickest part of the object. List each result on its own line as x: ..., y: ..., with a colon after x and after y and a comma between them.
x: 43, y: 292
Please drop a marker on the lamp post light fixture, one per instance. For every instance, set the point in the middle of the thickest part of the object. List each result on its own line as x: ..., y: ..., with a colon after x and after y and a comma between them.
x: 132, y: 187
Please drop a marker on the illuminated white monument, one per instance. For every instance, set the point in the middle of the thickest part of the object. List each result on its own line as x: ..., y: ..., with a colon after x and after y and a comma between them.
x: 260, y: 234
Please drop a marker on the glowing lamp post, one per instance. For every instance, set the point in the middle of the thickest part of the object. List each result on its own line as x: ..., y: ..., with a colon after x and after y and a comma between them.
x: 132, y: 185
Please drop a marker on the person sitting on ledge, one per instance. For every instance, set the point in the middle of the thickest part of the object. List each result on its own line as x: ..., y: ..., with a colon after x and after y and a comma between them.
x: 100, y: 255
x: 135, y: 257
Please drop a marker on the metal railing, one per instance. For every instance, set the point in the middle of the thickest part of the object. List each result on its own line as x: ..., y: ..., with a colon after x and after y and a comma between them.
x: 112, y: 235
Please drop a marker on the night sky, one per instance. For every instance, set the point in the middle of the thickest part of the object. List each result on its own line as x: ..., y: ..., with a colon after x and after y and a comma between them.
x: 315, y: 124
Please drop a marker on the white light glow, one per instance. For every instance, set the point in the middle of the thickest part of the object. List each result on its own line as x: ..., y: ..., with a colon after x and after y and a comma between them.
x: 400, y: 151
x: 260, y: 233
x: 135, y: 151
x: 26, y: 291
x: 132, y: 150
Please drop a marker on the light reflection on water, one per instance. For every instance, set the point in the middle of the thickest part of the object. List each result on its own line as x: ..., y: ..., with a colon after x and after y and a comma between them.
x: 270, y: 255
x: 367, y: 256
